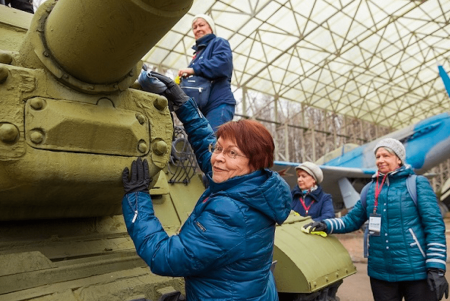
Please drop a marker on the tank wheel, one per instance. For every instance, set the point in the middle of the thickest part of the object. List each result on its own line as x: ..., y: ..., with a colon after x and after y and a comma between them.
x: 326, y: 294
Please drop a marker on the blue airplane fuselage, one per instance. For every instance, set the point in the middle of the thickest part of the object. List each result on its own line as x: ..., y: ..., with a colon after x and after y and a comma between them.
x: 427, y: 144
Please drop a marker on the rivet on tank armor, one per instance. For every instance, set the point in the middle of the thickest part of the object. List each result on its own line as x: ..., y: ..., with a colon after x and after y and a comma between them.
x: 3, y: 74
x: 5, y: 58
x: 142, y: 146
x: 37, y: 137
x: 160, y: 103
x: 8, y: 132
x: 37, y: 104
x: 159, y: 148
x: 140, y: 118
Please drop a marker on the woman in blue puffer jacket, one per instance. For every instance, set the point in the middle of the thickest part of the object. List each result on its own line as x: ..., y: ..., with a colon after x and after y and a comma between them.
x: 407, y: 244
x: 224, y: 249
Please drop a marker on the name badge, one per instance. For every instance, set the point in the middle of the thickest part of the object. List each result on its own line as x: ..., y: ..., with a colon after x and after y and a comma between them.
x: 375, y: 224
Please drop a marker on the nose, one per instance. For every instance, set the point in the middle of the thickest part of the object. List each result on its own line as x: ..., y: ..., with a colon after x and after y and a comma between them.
x: 220, y: 156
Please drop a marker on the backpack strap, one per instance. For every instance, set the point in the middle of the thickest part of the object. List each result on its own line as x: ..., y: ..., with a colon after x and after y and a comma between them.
x: 411, y: 185
x: 363, y: 198
x: 363, y: 195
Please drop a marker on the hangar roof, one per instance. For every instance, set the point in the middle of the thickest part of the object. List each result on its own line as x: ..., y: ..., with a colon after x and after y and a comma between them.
x: 374, y: 60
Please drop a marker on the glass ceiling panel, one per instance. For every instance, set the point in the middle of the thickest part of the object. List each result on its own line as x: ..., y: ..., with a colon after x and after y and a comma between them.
x: 369, y: 59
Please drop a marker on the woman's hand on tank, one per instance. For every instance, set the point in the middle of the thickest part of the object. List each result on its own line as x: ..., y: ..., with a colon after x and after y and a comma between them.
x: 174, y: 93
x: 317, y: 228
x: 140, y: 177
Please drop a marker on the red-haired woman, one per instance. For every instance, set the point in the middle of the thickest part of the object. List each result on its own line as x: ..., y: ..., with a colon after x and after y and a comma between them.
x: 224, y: 250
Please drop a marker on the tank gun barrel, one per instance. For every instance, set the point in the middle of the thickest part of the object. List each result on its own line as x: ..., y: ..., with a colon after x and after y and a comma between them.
x: 86, y: 43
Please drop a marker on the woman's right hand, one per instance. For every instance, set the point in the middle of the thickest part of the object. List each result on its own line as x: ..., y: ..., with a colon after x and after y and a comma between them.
x: 173, y: 93
x: 186, y: 72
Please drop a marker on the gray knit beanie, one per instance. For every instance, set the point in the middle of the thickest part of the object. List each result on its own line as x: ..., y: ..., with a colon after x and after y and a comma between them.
x: 395, y: 145
x: 313, y: 170
x: 208, y: 20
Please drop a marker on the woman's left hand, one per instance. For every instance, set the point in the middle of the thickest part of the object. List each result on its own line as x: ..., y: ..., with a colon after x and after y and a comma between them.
x: 140, y: 178
x: 186, y: 72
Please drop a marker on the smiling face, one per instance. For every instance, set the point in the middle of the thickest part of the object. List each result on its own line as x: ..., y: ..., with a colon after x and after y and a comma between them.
x: 305, y: 180
x: 200, y: 28
x: 223, y: 166
x: 386, y: 161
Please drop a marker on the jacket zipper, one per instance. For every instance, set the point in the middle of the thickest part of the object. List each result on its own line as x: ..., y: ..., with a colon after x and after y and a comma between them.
x: 199, y: 88
x: 416, y: 242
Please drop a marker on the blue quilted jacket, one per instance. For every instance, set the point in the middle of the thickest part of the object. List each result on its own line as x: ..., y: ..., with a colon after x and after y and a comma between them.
x: 214, y: 60
x: 224, y: 249
x: 412, y: 238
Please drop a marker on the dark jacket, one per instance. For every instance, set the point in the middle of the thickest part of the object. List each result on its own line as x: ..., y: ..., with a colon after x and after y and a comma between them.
x: 214, y: 60
x: 321, y: 208
x: 412, y: 237
x: 224, y: 249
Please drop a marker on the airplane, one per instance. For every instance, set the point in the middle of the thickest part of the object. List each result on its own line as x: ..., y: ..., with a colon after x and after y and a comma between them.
x: 347, y: 169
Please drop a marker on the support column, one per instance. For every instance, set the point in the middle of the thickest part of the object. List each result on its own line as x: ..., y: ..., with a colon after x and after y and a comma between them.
x: 302, y: 134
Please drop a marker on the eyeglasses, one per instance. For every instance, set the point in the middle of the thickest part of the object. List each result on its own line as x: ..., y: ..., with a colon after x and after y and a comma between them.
x: 230, y: 153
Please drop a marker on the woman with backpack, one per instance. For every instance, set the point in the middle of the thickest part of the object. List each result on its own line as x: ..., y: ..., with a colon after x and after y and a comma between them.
x: 407, y: 248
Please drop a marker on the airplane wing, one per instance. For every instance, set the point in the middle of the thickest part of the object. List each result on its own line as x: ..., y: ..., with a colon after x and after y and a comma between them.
x: 343, y: 183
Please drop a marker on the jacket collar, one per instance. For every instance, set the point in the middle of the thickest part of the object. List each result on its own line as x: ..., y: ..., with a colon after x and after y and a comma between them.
x: 403, y: 171
x: 215, y: 187
x: 203, y: 41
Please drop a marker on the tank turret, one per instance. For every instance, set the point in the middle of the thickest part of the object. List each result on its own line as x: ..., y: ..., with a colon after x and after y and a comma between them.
x: 69, y: 123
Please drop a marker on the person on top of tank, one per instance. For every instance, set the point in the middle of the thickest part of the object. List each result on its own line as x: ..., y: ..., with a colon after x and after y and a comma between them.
x: 407, y: 248
x: 213, y: 60
x: 224, y: 249
x: 308, y: 198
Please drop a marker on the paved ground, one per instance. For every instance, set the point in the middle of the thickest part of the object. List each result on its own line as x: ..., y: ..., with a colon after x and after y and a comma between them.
x: 357, y: 286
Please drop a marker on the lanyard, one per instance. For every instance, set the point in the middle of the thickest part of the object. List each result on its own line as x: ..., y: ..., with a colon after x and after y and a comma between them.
x: 378, y: 191
x: 304, y: 205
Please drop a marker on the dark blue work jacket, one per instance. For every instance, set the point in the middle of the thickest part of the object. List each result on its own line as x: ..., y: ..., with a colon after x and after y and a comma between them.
x: 214, y: 60
x: 320, y: 203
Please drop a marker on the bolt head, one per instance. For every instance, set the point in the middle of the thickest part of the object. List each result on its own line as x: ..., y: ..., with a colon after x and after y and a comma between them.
x: 8, y: 132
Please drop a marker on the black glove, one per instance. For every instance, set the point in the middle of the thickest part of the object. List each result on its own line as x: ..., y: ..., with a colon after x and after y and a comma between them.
x: 174, y: 93
x: 140, y: 177
x: 438, y: 283
x: 316, y: 227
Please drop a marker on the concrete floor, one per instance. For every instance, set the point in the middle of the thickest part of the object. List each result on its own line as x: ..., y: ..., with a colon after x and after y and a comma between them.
x: 357, y: 286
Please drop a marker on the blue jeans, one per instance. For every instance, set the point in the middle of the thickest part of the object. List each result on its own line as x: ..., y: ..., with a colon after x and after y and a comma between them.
x: 220, y: 115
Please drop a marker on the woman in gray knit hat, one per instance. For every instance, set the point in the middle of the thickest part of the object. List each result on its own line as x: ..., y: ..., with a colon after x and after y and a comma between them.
x: 308, y: 198
x: 407, y: 248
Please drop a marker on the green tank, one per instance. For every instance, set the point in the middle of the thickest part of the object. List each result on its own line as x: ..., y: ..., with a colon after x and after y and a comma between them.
x: 70, y: 121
